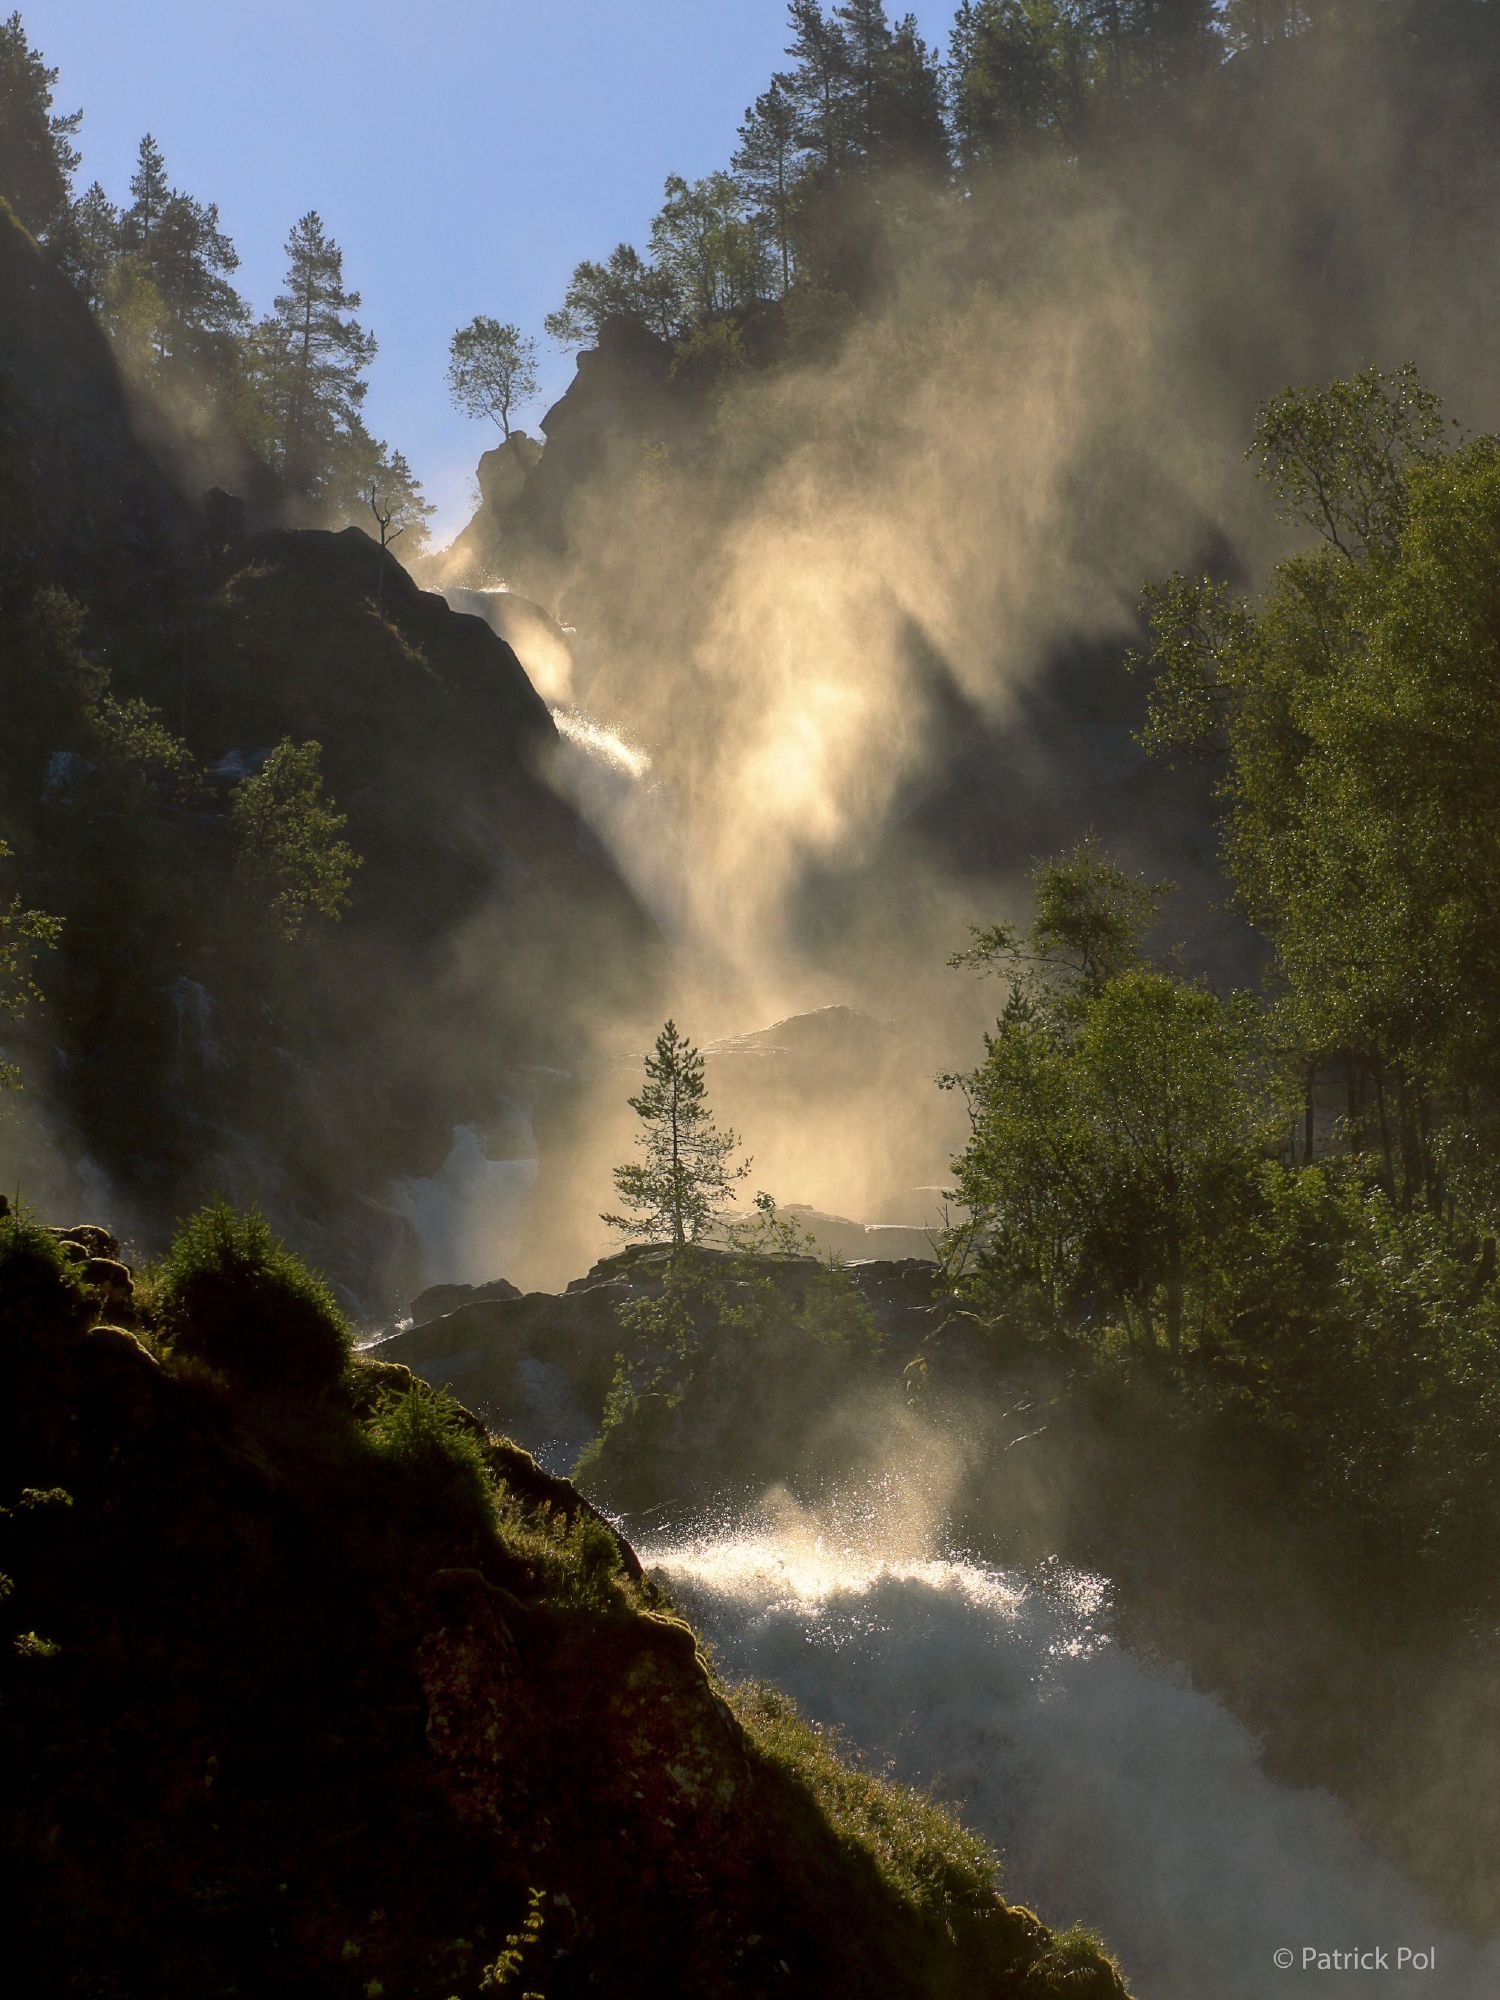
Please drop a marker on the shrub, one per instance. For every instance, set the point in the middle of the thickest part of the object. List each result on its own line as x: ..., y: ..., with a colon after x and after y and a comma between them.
x: 41, y: 1293
x: 441, y: 1460
x: 232, y: 1295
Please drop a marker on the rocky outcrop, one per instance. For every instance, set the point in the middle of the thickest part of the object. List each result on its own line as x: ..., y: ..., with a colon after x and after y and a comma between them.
x: 479, y: 555
x: 621, y: 398
x: 782, y: 1382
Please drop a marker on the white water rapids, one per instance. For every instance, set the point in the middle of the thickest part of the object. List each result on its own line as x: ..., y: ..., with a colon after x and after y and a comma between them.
x: 1116, y: 1795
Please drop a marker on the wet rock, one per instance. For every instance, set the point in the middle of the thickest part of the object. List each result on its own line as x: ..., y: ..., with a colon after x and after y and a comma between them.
x: 92, y: 1239
x: 440, y: 1299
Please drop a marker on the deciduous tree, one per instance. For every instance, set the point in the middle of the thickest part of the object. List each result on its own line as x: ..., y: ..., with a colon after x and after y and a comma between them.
x: 491, y: 370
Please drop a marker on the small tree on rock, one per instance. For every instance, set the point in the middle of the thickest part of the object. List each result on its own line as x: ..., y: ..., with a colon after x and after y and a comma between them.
x: 287, y: 843
x: 685, y: 1181
x: 491, y: 369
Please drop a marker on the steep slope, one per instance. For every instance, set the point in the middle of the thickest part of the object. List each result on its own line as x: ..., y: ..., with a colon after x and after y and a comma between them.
x: 320, y: 1694
x: 188, y: 1046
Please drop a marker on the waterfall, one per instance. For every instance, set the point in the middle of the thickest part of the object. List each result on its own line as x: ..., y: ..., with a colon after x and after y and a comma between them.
x: 471, y: 1215
x: 1116, y: 1794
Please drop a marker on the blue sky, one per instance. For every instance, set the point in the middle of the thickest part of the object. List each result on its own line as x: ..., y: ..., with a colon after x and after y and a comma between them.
x: 464, y: 153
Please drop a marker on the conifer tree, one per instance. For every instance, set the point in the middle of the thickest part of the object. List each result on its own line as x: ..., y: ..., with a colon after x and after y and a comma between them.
x: 768, y: 163
x: 187, y: 257
x: 867, y: 37
x: 93, y: 243
x: 37, y: 156
x: 684, y: 1183
x: 149, y: 193
x: 315, y: 356
x: 820, y: 83
x: 913, y: 131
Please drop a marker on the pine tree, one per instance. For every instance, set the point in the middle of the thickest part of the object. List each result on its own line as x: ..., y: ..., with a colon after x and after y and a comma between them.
x: 315, y: 356
x: 1018, y: 71
x: 768, y: 163
x: 149, y: 193
x: 37, y: 156
x: 179, y: 249
x: 913, y: 131
x: 820, y: 84
x: 92, y: 243
x: 867, y: 37
x: 685, y: 1182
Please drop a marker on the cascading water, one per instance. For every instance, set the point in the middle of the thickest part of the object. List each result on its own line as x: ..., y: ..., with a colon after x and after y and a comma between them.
x: 1117, y: 1795
x: 468, y: 1213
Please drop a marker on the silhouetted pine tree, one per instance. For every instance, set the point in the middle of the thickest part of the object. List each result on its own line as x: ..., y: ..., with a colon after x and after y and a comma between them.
x: 37, y: 157
x: 314, y: 358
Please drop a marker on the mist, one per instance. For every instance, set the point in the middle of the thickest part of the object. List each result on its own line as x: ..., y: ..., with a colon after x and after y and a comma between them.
x: 836, y: 649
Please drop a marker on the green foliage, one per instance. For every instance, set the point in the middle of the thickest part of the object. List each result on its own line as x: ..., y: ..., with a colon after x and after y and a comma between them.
x: 1089, y: 922
x: 37, y: 156
x: 133, y: 742
x: 685, y: 1183
x: 923, y: 1855
x: 1023, y: 73
x: 42, y: 1296
x: 1340, y: 459
x: 1366, y: 1338
x: 519, y: 1947
x: 627, y: 286
x: 287, y: 840
x: 491, y: 369
x: 710, y: 356
x: 1354, y: 712
x: 1114, y: 1121
x: 24, y: 936
x: 762, y: 1329
x: 440, y: 1458
x: 711, y: 254
x: 232, y: 1295
x: 313, y: 355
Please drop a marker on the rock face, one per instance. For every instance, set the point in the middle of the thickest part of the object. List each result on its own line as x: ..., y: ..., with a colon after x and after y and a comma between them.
x: 479, y: 555
x: 283, y: 1710
x: 621, y: 397
x: 190, y: 1051
x: 771, y: 1395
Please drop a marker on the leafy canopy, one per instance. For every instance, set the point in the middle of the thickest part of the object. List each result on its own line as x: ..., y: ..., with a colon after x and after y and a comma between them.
x: 491, y: 369
x: 287, y: 839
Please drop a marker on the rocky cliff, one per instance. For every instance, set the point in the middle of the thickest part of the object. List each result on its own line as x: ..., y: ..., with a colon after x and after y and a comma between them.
x: 186, y: 1047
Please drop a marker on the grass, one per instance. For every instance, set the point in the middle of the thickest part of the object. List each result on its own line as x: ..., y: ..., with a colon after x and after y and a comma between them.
x: 920, y: 1851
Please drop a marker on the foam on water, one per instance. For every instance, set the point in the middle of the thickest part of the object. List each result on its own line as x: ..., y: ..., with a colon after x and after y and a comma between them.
x: 1117, y: 1795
